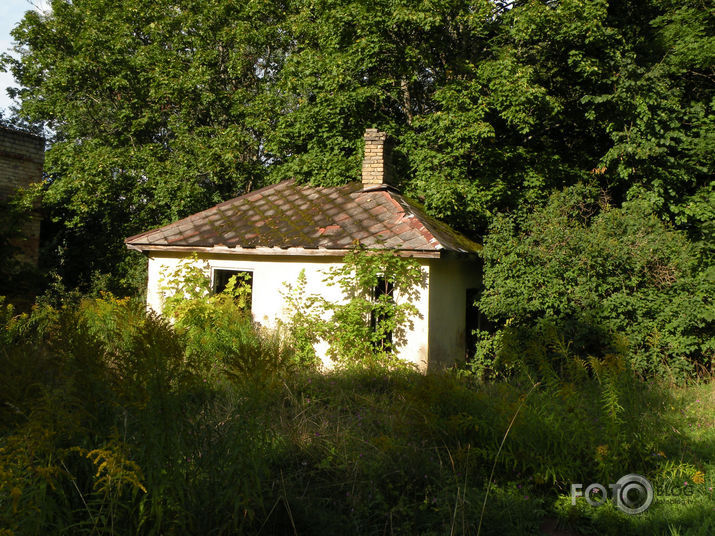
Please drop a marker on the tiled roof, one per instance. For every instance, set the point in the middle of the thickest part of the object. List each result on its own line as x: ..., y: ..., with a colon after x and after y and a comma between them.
x: 288, y: 215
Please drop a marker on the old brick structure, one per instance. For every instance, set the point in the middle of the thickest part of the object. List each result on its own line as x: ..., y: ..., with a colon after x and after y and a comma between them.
x: 377, y: 164
x: 22, y: 156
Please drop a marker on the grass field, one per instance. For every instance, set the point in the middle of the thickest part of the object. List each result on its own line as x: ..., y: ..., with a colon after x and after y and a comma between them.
x: 112, y: 423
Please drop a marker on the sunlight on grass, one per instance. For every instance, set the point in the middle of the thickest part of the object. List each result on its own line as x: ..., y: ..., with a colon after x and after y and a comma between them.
x: 114, y: 422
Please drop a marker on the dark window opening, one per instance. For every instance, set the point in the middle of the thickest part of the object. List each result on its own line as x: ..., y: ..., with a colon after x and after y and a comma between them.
x: 222, y: 277
x: 383, y: 288
x: 474, y: 321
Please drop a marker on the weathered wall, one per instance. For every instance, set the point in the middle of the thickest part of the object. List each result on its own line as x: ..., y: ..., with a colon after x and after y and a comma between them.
x: 22, y: 157
x: 449, y: 280
x: 269, y: 276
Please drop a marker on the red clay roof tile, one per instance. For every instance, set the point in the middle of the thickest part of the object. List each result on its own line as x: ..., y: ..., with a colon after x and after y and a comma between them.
x: 288, y: 215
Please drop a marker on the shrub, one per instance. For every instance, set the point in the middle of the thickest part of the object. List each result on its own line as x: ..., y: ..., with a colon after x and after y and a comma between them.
x: 605, y: 280
x: 218, y: 329
x: 370, y: 324
x: 303, y: 327
x: 366, y: 327
x: 107, y: 428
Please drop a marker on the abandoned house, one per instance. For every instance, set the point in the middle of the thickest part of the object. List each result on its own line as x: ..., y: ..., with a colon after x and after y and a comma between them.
x: 273, y: 233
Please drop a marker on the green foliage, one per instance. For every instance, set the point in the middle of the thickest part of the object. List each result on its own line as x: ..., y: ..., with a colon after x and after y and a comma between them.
x: 160, y: 109
x: 18, y: 277
x: 106, y: 427
x: 303, y: 325
x: 99, y: 432
x: 602, y: 280
x: 165, y: 116
x: 218, y: 327
x: 370, y: 323
x: 187, y: 292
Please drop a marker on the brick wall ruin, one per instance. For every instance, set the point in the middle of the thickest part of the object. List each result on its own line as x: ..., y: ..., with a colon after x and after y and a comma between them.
x: 22, y: 156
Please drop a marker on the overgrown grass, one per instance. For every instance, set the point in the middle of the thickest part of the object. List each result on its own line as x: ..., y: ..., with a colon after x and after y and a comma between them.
x: 112, y: 422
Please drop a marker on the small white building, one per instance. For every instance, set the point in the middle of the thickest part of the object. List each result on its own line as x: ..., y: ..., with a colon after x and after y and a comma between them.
x: 277, y: 231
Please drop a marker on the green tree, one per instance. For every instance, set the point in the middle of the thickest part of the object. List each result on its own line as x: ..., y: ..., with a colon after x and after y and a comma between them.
x: 601, y: 280
x: 163, y: 108
x: 157, y: 110
x: 496, y: 104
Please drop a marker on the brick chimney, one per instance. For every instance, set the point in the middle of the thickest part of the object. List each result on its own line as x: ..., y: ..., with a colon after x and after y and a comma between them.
x: 377, y: 164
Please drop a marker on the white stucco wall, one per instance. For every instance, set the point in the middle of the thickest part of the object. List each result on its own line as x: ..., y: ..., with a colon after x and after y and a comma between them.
x: 269, y: 275
x: 449, y: 279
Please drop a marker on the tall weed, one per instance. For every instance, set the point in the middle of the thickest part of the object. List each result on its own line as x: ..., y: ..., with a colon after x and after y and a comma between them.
x: 111, y: 422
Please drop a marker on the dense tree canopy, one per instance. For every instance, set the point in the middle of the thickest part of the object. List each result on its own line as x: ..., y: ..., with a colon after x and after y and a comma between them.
x: 155, y: 110
x: 158, y: 109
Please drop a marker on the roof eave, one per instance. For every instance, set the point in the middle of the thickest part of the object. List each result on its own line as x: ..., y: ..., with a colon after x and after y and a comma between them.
x: 276, y: 251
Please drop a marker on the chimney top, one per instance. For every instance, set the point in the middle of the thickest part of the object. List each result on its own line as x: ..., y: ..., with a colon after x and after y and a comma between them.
x: 377, y: 164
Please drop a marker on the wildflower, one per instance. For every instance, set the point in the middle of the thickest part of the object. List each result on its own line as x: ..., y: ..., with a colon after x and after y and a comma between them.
x: 15, y: 493
x: 601, y: 451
